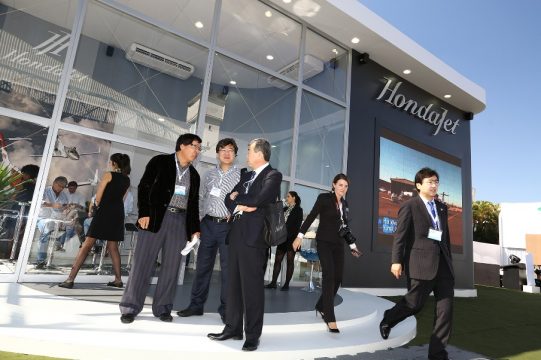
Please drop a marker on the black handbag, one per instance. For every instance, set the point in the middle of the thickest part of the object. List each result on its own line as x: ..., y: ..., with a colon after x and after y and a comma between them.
x: 275, y: 230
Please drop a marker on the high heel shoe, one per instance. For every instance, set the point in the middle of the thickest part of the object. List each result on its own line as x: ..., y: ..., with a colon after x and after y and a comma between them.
x: 119, y: 285
x: 332, y: 330
x: 320, y: 313
x: 66, y: 284
x: 270, y: 286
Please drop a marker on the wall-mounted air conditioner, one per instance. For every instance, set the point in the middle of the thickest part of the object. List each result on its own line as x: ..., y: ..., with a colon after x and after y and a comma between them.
x: 156, y: 60
x: 312, y: 67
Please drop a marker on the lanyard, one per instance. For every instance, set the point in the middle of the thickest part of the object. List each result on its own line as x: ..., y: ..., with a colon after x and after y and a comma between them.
x: 223, y: 174
x: 434, y: 218
x: 180, y: 176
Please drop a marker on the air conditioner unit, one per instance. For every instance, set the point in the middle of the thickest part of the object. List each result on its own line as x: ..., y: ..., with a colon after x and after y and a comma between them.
x: 156, y: 60
x: 312, y: 67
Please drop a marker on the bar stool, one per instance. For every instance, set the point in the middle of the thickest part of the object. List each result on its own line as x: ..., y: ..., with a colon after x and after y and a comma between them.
x: 310, y: 254
x: 133, y: 242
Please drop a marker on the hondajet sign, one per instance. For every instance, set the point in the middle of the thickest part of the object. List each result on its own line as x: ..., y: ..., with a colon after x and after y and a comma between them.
x: 423, y: 112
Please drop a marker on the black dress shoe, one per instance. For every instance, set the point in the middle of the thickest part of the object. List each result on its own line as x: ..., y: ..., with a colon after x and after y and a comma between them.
x: 66, y: 284
x: 166, y: 317
x: 127, y: 318
x: 384, y: 329
x: 119, y: 285
x: 250, y: 345
x: 189, y: 312
x: 285, y: 288
x: 224, y: 336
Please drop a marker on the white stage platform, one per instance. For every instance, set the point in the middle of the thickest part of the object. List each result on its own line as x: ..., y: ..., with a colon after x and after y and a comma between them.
x: 35, y: 322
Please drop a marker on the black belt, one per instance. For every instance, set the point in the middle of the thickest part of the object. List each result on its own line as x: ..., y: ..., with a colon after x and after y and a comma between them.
x: 216, y: 219
x: 176, y: 210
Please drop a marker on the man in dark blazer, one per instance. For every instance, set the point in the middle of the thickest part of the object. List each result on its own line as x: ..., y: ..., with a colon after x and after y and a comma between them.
x: 168, y: 202
x: 422, y: 248
x: 247, y: 248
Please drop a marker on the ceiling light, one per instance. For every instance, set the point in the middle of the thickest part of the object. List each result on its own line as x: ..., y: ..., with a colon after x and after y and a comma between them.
x: 335, y: 51
x: 286, y: 1
x: 268, y: 13
x: 199, y: 25
x: 233, y: 82
x: 270, y: 57
x: 355, y: 40
x: 161, y: 119
x: 407, y: 71
x: 447, y: 96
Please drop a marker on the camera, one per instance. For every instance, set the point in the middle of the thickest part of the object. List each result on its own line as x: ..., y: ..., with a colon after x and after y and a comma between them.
x: 345, y: 232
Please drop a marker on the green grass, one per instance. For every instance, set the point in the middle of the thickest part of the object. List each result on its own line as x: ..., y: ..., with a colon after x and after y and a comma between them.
x: 499, y: 323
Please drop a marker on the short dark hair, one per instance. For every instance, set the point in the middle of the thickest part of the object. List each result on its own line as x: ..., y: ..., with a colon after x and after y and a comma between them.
x: 30, y: 170
x: 73, y: 183
x: 262, y: 145
x: 61, y: 180
x: 225, y: 142
x: 340, y: 177
x: 187, y: 139
x: 424, y: 173
x: 296, y: 196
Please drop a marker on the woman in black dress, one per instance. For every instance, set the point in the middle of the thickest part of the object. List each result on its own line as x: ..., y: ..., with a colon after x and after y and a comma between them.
x: 332, y: 209
x: 108, y: 221
x: 293, y: 214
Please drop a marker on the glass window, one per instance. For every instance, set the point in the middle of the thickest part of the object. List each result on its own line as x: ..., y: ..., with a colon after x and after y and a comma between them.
x: 243, y: 105
x: 260, y: 33
x: 321, y: 140
x: 65, y: 214
x: 308, y: 197
x: 325, y: 66
x: 191, y: 17
x: 133, y: 80
x: 20, y: 142
x: 34, y: 37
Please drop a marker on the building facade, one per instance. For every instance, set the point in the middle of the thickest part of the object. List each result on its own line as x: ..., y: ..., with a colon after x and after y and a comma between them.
x: 81, y: 80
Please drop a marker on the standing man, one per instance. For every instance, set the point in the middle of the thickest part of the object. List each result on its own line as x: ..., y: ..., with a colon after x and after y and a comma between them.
x: 217, y: 184
x: 168, y: 202
x: 247, y: 248
x: 50, y: 215
x: 422, y: 248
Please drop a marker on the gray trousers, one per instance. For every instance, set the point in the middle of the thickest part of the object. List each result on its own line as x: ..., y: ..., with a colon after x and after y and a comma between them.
x: 171, y: 239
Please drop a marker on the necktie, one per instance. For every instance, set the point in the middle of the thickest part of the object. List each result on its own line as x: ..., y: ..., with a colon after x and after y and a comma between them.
x: 248, y: 183
x: 433, y: 211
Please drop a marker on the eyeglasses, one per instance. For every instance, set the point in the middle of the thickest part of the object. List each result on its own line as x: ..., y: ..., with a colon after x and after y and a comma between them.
x: 432, y: 182
x: 197, y: 147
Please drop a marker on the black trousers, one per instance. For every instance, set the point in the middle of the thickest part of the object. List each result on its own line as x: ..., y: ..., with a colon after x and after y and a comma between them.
x: 245, y: 290
x: 414, y: 300
x: 331, y: 258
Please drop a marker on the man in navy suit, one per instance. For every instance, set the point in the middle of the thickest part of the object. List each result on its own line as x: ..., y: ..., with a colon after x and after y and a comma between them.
x: 247, y: 248
x: 422, y: 248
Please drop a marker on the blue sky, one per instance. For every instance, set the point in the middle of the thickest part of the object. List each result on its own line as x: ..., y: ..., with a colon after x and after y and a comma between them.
x: 496, y: 44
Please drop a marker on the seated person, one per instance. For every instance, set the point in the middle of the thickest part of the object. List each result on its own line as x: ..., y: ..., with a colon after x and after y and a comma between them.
x: 54, y: 203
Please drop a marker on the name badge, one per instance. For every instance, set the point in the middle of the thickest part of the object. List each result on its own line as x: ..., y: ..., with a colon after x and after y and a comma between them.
x: 180, y: 190
x: 215, y: 191
x: 434, y: 235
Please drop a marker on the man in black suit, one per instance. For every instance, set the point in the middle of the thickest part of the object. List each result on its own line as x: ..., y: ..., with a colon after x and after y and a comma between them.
x: 247, y: 248
x: 422, y: 248
x: 168, y: 202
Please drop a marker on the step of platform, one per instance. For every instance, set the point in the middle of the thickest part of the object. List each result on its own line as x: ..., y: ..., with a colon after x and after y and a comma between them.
x: 35, y: 322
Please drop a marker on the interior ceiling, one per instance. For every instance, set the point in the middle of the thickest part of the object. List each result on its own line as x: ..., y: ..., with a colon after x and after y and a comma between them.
x: 246, y: 31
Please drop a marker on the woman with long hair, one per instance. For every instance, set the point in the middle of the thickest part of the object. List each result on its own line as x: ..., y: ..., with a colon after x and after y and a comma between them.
x: 108, y: 221
x: 293, y: 215
x: 332, y: 209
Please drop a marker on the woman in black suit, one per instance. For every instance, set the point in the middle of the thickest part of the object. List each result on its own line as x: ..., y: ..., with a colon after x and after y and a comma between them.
x: 332, y: 209
x: 293, y: 214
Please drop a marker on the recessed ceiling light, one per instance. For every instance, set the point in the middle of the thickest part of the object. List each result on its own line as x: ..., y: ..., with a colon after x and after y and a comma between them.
x: 447, y: 96
x: 335, y: 51
x: 268, y: 13
x: 270, y: 57
x: 286, y: 1
x: 161, y: 119
x: 199, y: 24
x: 407, y: 71
x: 355, y: 40
x: 233, y: 82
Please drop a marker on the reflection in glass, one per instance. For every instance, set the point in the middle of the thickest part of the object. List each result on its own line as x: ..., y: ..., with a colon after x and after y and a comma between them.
x: 19, y: 141
x: 242, y: 105
x: 138, y: 80
x: 191, y: 17
x: 65, y: 213
x: 35, y: 39
x: 259, y: 33
x: 321, y: 140
x: 325, y: 66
